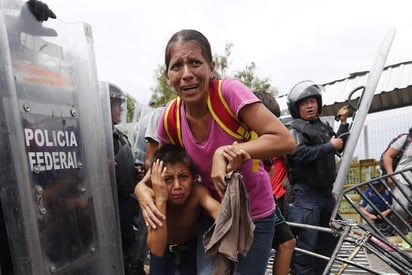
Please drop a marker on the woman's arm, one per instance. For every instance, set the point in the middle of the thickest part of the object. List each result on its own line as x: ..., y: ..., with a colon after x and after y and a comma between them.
x: 273, y: 139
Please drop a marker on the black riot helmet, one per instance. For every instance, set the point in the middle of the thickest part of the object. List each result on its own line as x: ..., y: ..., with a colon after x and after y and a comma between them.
x: 116, y: 95
x: 300, y: 91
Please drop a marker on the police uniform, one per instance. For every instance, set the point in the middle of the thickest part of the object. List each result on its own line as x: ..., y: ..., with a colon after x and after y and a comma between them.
x: 126, y: 179
x: 312, y: 172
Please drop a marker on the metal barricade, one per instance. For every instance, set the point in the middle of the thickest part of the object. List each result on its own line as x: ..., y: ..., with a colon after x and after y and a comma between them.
x: 367, y: 246
x: 389, y: 236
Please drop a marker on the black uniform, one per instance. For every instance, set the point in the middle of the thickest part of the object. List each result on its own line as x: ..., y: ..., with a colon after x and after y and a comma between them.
x: 126, y: 178
x: 312, y: 171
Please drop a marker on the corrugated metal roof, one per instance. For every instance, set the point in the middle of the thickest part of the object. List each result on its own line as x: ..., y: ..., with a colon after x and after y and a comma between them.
x: 394, y: 90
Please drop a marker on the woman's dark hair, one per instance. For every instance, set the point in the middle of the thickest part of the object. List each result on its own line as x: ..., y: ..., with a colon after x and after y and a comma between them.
x: 186, y: 36
x: 173, y: 154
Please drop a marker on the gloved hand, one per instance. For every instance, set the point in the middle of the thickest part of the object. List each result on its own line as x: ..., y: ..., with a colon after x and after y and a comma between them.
x: 40, y: 10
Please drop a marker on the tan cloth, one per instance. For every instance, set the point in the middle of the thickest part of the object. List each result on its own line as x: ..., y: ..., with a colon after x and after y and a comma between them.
x: 232, y: 232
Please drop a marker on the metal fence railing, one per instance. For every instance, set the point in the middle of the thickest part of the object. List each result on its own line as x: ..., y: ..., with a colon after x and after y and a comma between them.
x: 388, y: 239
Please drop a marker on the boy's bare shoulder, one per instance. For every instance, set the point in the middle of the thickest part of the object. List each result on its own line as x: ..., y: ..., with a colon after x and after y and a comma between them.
x: 200, y: 187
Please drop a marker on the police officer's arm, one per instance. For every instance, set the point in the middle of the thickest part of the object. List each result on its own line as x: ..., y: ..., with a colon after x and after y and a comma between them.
x: 343, y: 131
x: 305, y: 153
x: 157, y: 237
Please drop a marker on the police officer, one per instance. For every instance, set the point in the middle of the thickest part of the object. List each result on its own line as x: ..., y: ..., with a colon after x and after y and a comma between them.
x: 126, y: 179
x: 312, y: 171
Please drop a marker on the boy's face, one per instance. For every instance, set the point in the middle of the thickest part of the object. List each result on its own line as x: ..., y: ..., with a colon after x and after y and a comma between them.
x: 179, y: 182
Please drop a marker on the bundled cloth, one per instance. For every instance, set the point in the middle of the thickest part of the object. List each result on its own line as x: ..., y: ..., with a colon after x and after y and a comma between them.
x: 232, y: 232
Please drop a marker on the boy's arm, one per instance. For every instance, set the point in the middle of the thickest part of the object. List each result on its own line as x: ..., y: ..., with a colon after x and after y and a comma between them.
x: 157, y: 237
x: 210, y: 204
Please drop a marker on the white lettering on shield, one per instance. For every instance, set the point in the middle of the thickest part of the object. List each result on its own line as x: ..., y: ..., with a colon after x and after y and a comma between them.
x: 46, y: 149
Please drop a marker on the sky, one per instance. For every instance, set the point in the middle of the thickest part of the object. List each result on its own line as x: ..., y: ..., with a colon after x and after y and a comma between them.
x: 288, y: 40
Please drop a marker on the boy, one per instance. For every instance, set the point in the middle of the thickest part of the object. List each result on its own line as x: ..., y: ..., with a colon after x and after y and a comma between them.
x: 181, y: 198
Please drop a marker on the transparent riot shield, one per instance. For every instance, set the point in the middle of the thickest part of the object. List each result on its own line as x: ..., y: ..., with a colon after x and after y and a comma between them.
x: 140, y: 120
x: 56, y: 198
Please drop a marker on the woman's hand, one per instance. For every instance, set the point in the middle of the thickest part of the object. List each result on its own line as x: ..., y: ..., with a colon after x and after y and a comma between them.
x: 226, y: 159
x: 234, y: 156
x: 145, y: 195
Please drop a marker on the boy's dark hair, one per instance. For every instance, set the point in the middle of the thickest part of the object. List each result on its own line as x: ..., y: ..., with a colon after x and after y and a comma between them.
x: 269, y: 101
x: 173, y: 154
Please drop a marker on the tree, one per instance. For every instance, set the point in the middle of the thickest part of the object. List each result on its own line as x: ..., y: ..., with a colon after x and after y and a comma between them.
x: 162, y: 93
x: 249, y: 78
x: 246, y: 76
x: 222, y: 61
x: 130, y: 107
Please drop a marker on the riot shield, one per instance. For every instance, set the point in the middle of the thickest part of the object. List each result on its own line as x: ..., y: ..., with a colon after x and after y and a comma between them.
x: 56, y: 197
x: 140, y: 120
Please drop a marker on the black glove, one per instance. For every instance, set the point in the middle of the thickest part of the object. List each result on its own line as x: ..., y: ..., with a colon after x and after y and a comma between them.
x: 40, y: 10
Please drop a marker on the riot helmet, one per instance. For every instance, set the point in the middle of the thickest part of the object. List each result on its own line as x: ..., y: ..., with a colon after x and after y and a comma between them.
x: 300, y: 91
x: 116, y: 95
x: 117, y: 100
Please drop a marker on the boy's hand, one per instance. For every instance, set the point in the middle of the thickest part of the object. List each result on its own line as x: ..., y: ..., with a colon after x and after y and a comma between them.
x: 145, y: 195
x: 158, y: 182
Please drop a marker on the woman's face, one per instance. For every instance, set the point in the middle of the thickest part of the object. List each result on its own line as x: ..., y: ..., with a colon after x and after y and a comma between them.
x: 189, y: 73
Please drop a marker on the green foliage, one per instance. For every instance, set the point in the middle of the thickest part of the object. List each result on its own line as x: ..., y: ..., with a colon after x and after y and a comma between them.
x: 249, y: 78
x: 162, y: 92
x: 130, y: 108
x: 222, y: 61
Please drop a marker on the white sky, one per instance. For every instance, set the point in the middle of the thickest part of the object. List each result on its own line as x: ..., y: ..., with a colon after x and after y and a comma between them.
x: 288, y: 40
